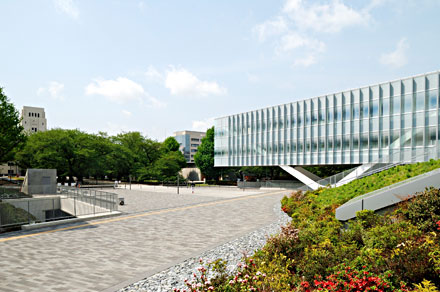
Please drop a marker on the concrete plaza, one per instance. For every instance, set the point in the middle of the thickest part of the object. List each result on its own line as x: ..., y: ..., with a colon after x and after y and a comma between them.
x: 158, y: 229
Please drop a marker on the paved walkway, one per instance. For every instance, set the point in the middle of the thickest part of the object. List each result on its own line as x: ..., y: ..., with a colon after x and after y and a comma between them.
x: 156, y: 231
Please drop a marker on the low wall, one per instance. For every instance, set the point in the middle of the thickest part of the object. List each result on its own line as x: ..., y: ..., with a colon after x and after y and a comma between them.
x: 284, y: 184
x: 40, y: 181
x: 77, y: 207
x: 388, y: 196
x: 36, y: 206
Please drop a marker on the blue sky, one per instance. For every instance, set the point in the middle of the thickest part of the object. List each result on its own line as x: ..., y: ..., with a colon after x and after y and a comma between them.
x: 164, y: 66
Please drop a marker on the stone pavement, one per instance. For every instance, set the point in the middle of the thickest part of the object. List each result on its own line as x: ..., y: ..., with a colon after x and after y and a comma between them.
x: 101, y: 254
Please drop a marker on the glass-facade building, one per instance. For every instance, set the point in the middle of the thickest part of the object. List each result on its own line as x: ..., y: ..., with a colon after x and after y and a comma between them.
x: 390, y: 122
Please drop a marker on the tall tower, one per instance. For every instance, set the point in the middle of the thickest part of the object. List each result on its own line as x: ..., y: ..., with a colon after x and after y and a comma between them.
x: 33, y: 119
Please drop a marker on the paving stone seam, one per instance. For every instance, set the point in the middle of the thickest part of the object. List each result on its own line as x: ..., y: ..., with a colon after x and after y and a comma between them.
x: 137, y: 215
x: 142, y: 276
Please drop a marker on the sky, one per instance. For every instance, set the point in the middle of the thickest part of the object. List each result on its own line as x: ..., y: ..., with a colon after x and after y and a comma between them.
x: 163, y: 66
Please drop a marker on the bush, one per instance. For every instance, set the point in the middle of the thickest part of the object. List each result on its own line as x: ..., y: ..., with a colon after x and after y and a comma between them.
x: 348, y: 279
x: 370, y: 253
x: 424, y: 210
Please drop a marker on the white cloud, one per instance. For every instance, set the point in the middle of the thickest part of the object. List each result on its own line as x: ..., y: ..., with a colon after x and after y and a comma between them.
x: 155, y: 103
x: 67, y: 6
x: 301, y: 24
x: 120, y: 90
x: 183, y: 82
x: 54, y: 90
x: 271, y: 28
x: 153, y: 74
x: 294, y: 40
x: 306, y: 61
x: 202, y: 125
x: 126, y: 113
x: 398, y: 57
x: 331, y: 17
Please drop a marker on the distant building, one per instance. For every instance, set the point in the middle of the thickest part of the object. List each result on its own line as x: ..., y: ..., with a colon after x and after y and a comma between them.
x: 33, y: 119
x: 189, y: 142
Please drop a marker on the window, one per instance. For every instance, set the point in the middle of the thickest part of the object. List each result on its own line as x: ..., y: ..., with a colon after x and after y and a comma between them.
x: 420, y: 101
x: 338, y: 114
x: 374, y: 140
x: 29, y: 114
x: 364, y: 141
x: 418, y: 137
x: 396, y: 105
x: 330, y: 115
x: 356, y: 111
x: 433, y: 99
x: 430, y: 136
x: 385, y: 106
x: 395, y: 135
x: 38, y: 115
x: 374, y: 108
x: 384, y: 140
x: 346, y: 112
x: 408, y: 100
x: 346, y: 142
x: 195, y: 139
x: 365, y: 109
x: 330, y: 144
x: 193, y: 150
x: 193, y: 145
x: 355, y: 142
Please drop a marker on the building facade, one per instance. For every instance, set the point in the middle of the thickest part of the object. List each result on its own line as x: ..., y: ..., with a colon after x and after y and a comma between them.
x: 396, y: 121
x: 189, y: 143
x: 33, y: 119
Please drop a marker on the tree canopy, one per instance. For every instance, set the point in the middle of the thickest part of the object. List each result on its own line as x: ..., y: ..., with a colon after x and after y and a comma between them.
x: 11, y: 132
x: 77, y: 154
x: 204, y: 158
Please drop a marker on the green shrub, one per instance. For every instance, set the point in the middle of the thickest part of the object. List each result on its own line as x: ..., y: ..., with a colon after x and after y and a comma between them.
x: 315, y: 249
x: 424, y: 210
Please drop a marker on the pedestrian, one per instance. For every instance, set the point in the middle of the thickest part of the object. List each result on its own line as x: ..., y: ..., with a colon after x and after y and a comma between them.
x: 192, y: 187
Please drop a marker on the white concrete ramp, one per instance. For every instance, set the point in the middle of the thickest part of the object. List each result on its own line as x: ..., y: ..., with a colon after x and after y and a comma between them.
x: 388, y: 196
x: 304, y: 176
x: 76, y: 207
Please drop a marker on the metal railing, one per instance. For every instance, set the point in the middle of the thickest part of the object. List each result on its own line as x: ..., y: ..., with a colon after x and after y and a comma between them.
x: 282, y: 184
x: 69, y: 202
x: 379, y: 165
x: 95, y: 201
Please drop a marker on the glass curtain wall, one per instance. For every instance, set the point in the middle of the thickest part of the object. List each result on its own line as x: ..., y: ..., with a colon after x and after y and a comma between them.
x: 396, y: 121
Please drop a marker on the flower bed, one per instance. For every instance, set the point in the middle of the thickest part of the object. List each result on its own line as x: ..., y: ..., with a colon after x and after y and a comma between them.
x: 398, y: 251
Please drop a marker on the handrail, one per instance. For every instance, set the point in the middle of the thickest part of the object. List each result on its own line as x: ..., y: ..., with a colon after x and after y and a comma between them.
x: 402, y: 182
x: 372, y: 171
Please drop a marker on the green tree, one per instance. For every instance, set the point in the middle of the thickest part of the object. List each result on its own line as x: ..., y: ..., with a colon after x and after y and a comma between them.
x: 204, y: 158
x: 70, y: 152
x: 11, y: 132
x: 170, y: 144
x: 144, y: 153
x: 168, y: 166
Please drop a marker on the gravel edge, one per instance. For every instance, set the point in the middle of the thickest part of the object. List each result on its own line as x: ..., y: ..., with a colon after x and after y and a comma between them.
x: 232, y: 251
